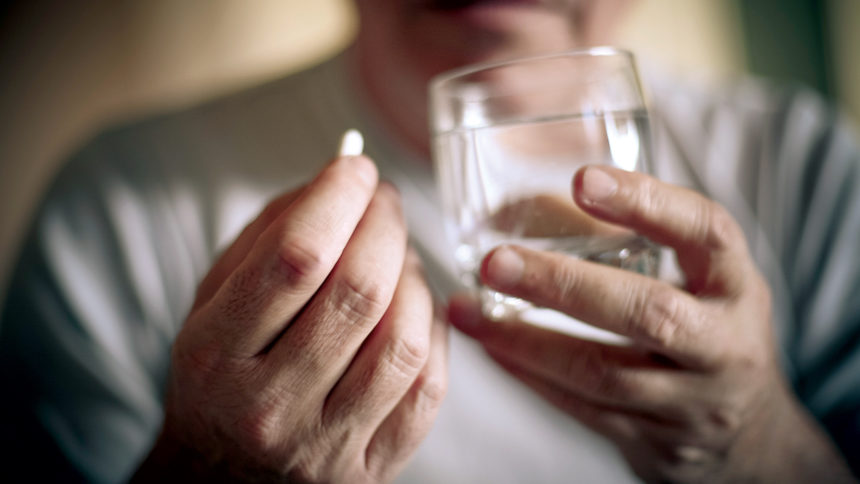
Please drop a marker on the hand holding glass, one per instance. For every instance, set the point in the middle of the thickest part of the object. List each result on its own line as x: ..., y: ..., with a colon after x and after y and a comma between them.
x: 507, y: 140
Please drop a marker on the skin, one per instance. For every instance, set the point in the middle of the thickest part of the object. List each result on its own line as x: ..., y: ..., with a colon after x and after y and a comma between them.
x: 402, y: 44
x: 293, y: 365
x: 698, y: 396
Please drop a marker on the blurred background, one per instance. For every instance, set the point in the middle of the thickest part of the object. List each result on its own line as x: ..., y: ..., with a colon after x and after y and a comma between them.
x: 69, y: 68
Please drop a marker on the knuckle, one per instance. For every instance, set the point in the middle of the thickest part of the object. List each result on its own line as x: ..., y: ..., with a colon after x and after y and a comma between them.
x: 683, y: 462
x: 720, y: 229
x: 748, y: 358
x: 363, y: 298
x: 300, y: 258
x: 563, y: 281
x: 591, y: 367
x: 302, y: 473
x: 723, y: 419
x: 201, y: 360
x: 613, y: 384
x: 431, y: 390
x: 259, y: 431
x: 407, y: 354
x: 659, y: 321
x: 305, y: 471
x: 588, y: 362
x: 241, y: 284
x: 239, y: 293
x: 647, y: 198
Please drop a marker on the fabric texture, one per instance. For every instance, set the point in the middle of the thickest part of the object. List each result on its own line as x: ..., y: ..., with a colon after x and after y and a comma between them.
x: 136, y: 217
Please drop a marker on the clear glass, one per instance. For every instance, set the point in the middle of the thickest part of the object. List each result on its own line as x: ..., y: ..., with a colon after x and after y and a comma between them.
x: 507, y: 140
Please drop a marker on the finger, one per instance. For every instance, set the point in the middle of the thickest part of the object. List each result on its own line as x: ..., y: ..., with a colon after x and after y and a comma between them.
x: 327, y: 335
x: 230, y: 259
x: 638, y: 436
x: 652, y: 313
x: 406, y: 426
x: 390, y: 359
x: 633, y: 433
x: 290, y: 259
x: 624, y: 377
x: 710, y: 245
x: 614, y: 423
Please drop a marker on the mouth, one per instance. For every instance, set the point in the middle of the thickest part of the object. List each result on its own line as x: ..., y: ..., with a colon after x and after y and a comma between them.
x: 464, y: 4
x: 482, y: 30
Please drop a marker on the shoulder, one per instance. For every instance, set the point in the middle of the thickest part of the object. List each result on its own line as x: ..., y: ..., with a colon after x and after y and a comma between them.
x: 244, y: 129
x: 121, y: 238
x: 192, y: 161
x: 750, y: 109
x: 751, y: 136
x: 153, y: 200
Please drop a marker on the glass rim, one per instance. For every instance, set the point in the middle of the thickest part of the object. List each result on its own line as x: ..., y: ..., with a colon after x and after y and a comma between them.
x: 596, y: 51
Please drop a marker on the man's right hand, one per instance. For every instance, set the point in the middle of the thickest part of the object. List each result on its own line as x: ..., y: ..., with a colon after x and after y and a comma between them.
x: 311, y: 353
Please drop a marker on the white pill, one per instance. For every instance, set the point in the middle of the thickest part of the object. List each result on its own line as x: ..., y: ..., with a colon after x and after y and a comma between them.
x: 351, y: 144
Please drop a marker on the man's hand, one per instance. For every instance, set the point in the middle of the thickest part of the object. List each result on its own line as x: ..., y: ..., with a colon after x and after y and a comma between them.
x: 311, y: 353
x: 698, y: 395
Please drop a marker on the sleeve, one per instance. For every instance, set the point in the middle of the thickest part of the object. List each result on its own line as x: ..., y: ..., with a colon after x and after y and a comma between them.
x: 89, y: 317
x: 816, y: 183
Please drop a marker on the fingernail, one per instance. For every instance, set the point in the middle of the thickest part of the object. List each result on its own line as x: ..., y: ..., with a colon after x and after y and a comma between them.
x: 597, y: 185
x: 464, y: 312
x: 504, y: 268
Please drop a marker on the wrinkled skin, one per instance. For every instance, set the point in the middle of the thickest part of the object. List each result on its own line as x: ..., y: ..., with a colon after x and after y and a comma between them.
x: 697, y: 395
x: 294, y: 364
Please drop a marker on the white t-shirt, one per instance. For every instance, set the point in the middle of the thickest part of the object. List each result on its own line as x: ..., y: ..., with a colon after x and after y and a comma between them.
x: 136, y: 218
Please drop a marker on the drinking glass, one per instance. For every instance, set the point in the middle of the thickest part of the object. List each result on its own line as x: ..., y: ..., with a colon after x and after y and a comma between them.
x: 507, y: 140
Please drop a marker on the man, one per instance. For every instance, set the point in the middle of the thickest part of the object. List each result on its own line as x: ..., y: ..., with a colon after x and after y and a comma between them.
x: 310, y: 350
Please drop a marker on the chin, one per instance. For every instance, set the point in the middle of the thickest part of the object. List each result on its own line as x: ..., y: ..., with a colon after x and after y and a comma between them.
x: 446, y: 34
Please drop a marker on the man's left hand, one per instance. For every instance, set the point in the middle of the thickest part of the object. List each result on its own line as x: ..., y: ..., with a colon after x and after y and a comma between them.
x: 698, y: 395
